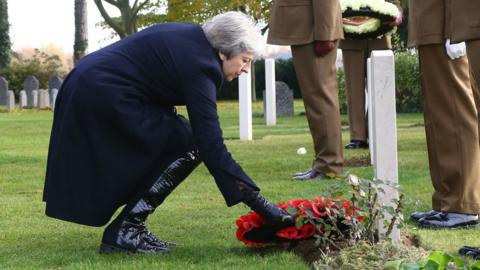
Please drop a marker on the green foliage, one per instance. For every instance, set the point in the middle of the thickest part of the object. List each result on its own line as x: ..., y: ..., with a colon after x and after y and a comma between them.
x: 407, y: 82
x: 42, y: 65
x: 367, y: 257
x: 4, y: 37
x: 364, y: 195
x: 199, y: 11
x: 342, y: 91
x: 437, y: 260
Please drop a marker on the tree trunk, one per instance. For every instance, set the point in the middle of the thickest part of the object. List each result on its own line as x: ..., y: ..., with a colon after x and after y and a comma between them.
x: 4, y: 37
x: 81, y: 30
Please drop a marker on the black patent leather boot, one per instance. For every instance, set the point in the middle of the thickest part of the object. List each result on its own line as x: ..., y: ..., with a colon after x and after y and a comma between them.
x: 128, y: 231
x: 272, y: 214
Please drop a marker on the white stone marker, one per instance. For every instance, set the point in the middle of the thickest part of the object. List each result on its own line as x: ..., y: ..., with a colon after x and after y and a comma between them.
x: 245, y: 108
x: 10, y: 101
x: 384, y: 129
x: 371, y: 140
x: 270, y: 95
x: 43, y: 99
x: 34, y: 97
x: 53, y: 98
x: 22, y: 99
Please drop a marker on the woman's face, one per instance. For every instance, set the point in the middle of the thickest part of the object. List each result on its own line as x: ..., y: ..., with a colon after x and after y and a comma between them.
x: 235, y: 65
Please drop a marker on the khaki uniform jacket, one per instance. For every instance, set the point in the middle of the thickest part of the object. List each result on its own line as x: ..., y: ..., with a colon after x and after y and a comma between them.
x: 424, y: 27
x: 464, y: 19
x: 454, y: 15
x: 298, y: 22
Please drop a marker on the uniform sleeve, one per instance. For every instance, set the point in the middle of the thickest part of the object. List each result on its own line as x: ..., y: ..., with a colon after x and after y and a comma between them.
x: 327, y: 15
x: 200, y: 97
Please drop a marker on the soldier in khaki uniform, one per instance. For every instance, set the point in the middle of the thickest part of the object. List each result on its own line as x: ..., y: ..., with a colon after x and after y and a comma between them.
x: 312, y: 28
x: 355, y: 53
x: 450, y: 110
x: 465, y: 26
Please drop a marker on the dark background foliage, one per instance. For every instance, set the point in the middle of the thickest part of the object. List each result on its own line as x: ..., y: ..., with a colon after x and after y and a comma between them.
x: 407, y: 82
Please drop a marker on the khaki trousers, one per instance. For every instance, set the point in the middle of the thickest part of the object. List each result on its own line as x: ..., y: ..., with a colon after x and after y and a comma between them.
x: 473, y: 52
x: 451, y: 125
x: 355, y: 54
x: 318, y: 82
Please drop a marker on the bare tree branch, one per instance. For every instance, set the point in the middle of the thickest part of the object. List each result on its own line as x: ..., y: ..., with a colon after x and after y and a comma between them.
x: 135, y: 10
x: 112, y: 2
x: 116, y: 27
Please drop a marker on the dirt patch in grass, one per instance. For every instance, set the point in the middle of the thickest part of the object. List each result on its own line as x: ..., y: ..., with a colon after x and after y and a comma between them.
x: 361, y: 255
x: 358, y: 161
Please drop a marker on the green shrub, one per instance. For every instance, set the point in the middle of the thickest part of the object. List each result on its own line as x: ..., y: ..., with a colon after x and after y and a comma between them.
x: 407, y: 82
x: 42, y: 65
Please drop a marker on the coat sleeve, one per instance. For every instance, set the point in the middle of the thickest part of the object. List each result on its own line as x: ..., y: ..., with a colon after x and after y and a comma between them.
x: 327, y: 15
x: 200, y: 97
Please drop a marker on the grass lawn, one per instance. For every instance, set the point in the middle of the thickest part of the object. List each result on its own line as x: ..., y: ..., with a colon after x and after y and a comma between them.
x: 195, y: 215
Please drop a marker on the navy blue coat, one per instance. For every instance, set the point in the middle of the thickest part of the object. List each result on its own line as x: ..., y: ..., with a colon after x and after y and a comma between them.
x: 115, y: 129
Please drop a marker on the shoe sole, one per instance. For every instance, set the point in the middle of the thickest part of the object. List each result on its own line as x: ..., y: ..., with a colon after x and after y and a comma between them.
x: 109, y: 249
x: 466, y: 225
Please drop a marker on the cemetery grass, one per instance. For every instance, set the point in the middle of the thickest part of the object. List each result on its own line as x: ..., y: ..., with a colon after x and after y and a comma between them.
x: 195, y: 215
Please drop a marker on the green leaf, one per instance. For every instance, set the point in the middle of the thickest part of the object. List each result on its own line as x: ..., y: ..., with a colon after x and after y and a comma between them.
x: 476, y: 265
x: 299, y: 222
x: 410, y: 266
x: 292, y: 210
x: 393, y: 265
x: 431, y: 265
x: 441, y: 258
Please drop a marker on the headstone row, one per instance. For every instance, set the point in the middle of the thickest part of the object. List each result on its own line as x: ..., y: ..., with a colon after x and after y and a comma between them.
x: 39, y: 99
x: 31, y: 96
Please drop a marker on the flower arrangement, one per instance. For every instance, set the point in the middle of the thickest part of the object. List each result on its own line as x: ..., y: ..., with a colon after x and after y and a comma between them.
x: 315, y: 217
x: 368, y: 19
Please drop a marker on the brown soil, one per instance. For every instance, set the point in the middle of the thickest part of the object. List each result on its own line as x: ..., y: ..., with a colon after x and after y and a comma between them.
x: 358, y: 161
x: 310, y: 253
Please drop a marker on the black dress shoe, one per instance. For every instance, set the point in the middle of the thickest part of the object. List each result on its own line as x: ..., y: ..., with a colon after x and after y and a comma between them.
x: 356, y: 144
x: 473, y: 252
x: 446, y: 220
x: 302, y: 173
x: 415, y: 216
x: 310, y: 175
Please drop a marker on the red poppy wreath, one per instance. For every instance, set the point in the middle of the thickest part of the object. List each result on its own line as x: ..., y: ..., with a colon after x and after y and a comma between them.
x: 312, y: 217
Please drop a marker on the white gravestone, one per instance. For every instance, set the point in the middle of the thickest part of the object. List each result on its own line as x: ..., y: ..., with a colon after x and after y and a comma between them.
x: 22, y: 99
x: 10, y: 101
x: 270, y: 99
x: 245, y: 100
x: 33, y: 99
x: 43, y: 99
x: 53, y: 98
x: 384, y: 130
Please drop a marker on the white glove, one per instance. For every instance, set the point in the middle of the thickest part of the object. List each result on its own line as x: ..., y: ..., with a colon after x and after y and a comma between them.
x: 455, y: 50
